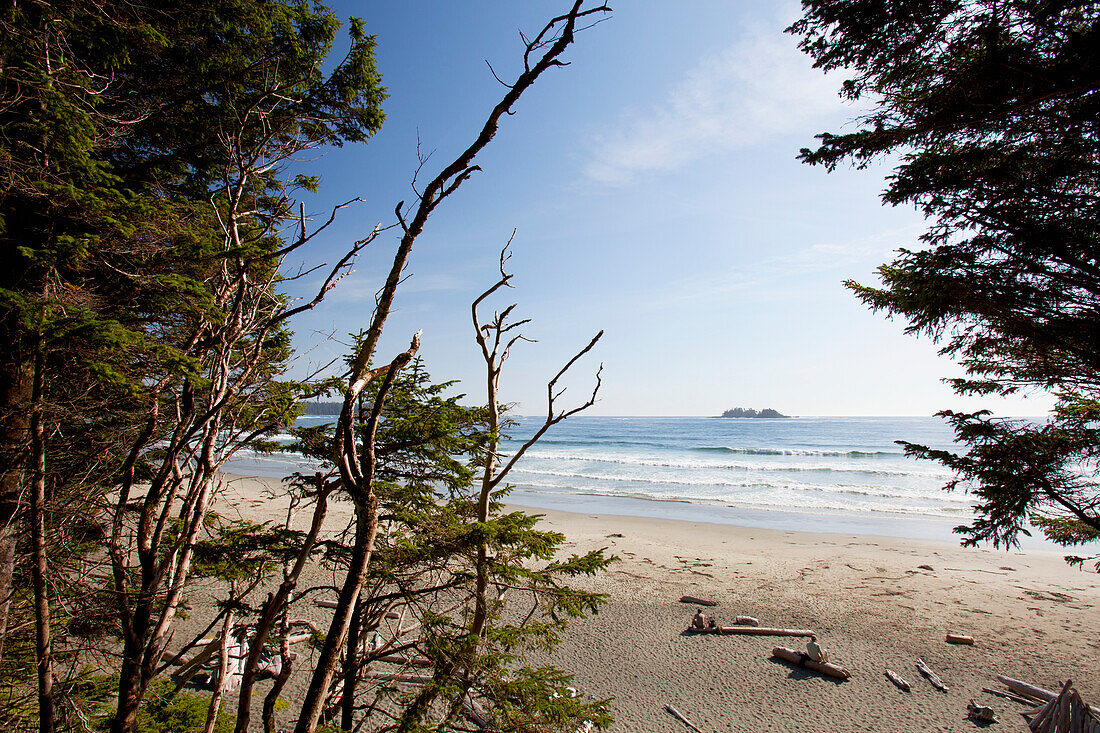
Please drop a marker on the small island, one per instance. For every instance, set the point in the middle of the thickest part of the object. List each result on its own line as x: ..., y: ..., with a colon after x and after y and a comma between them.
x: 313, y: 409
x: 749, y: 412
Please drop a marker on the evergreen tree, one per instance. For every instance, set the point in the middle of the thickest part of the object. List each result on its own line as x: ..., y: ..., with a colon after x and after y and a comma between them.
x: 430, y: 452
x: 141, y: 329
x: 993, y: 108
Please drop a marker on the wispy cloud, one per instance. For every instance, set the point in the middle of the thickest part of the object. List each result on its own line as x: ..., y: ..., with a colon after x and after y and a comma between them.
x: 831, y: 255
x: 769, y: 275
x: 760, y: 88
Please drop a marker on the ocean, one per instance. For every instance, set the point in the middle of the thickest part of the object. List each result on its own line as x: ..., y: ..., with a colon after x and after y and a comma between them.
x: 820, y: 474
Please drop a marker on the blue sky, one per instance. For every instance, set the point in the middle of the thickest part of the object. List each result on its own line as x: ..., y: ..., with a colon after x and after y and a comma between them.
x: 655, y: 192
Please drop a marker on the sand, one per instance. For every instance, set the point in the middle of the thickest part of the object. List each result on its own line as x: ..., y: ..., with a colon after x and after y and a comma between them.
x: 868, y: 598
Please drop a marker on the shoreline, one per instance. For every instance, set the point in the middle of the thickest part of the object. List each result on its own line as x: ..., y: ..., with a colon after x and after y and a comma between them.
x: 875, y: 602
x: 873, y: 524
x: 877, y: 524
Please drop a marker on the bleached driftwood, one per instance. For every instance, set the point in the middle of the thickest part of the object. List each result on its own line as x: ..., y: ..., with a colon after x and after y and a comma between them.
x: 700, y: 601
x: 803, y: 660
x: 897, y: 680
x: 1047, y: 715
x: 932, y: 677
x: 1023, y: 688
x: 1066, y: 712
x: 237, y: 652
x: 404, y: 661
x: 682, y: 718
x: 190, y: 666
x: 475, y: 712
x: 745, y: 621
x: 980, y: 713
x: 754, y: 631
x: 419, y: 679
x: 1009, y: 696
x: 203, y: 655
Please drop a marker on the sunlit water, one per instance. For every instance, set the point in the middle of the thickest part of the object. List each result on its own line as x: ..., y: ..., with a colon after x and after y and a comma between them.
x: 823, y: 474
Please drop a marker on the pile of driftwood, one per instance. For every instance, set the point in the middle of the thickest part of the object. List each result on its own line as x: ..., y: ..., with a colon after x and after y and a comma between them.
x: 1063, y: 712
x: 203, y: 667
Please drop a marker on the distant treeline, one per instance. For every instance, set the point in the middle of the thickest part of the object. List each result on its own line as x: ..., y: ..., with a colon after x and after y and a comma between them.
x: 749, y: 412
x: 322, y: 408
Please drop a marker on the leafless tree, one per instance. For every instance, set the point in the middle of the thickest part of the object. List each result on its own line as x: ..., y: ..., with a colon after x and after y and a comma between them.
x: 540, y: 54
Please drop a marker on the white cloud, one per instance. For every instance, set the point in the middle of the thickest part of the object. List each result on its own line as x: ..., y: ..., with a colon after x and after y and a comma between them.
x: 760, y: 88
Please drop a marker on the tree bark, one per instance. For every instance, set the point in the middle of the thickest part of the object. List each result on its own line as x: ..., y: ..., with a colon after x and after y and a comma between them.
x: 131, y: 689
x: 365, y: 531
x: 43, y: 644
x: 351, y: 668
x: 223, y: 673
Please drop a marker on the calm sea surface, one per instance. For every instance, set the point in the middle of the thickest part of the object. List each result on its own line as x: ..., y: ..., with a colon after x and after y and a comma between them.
x: 822, y: 474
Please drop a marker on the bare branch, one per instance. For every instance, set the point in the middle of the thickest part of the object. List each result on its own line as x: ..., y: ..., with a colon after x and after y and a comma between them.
x: 303, y: 238
x: 335, y: 274
x: 551, y: 418
x: 494, y: 73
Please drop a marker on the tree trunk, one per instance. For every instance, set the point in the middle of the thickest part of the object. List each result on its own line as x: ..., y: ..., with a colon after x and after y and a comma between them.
x: 223, y: 671
x: 280, y: 681
x: 43, y: 646
x: 131, y: 680
x: 351, y: 668
x: 276, y: 607
x: 130, y: 691
x: 365, y: 531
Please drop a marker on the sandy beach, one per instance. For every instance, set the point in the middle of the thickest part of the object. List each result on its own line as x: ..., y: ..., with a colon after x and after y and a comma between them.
x: 874, y: 602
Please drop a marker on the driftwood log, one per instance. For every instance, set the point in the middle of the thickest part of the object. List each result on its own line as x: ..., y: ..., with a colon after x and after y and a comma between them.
x: 897, y: 680
x: 480, y: 717
x: 959, y: 639
x: 1065, y: 712
x: 932, y: 677
x: 700, y: 601
x: 419, y: 679
x: 753, y: 631
x: 1023, y: 688
x: 1009, y: 696
x: 803, y: 660
x: 403, y: 661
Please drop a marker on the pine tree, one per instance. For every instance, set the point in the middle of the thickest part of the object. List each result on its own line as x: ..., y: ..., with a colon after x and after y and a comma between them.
x: 992, y: 108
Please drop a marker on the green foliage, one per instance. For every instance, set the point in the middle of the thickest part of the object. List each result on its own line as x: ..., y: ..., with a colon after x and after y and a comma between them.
x: 123, y: 124
x: 431, y: 451
x: 239, y: 549
x: 183, y: 713
x: 991, y: 107
x: 162, y: 712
